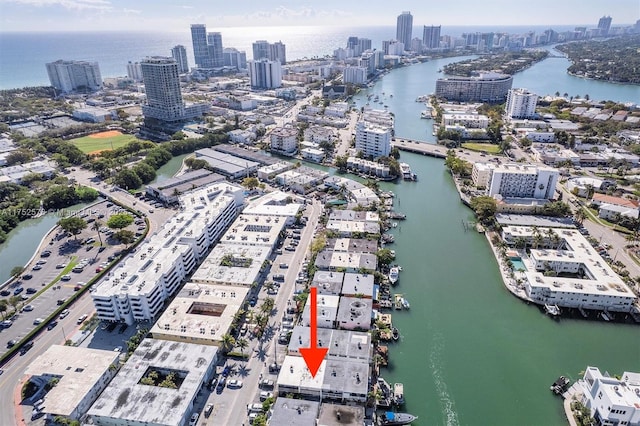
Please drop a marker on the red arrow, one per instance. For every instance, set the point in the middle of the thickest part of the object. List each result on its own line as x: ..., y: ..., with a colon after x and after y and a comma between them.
x: 314, y: 355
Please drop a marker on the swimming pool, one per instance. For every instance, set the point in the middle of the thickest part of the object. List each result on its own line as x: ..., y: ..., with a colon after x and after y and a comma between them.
x: 518, y: 265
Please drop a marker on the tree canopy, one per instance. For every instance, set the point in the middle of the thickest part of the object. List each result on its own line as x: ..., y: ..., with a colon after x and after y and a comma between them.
x: 119, y: 220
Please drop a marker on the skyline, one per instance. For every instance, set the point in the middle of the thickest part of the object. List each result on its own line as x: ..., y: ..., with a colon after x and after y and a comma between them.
x: 120, y: 15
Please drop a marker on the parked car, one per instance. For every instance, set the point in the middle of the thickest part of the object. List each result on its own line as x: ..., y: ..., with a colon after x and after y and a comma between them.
x: 194, y: 419
x: 38, y: 321
x: 64, y: 314
x: 234, y: 384
x: 31, y: 290
x: 208, y: 410
x: 28, y: 308
x: 5, y: 292
x: 264, y: 395
x: 65, y: 277
x: 267, y: 384
x: 17, y: 291
x: 11, y: 343
x: 51, y: 325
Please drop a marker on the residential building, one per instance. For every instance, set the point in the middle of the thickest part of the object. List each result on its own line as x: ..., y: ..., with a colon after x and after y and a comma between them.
x: 293, y: 412
x: 328, y: 282
x: 354, y: 313
x: 215, y: 49
x: 604, y: 25
x: 340, y: 415
x: 342, y: 344
x: 260, y: 50
x: 373, y: 140
x: 612, y: 401
x: 367, y: 167
x: 404, y: 28
x: 521, y: 104
x: 135, y: 397
x: 278, y: 52
x: 81, y: 373
x: 170, y: 189
x: 313, y: 155
x: 134, y: 71
x: 579, y: 277
x: 284, y: 140
x: 270, y: 171
x: 234, y: 58
x: 162, y: 87
x: 431, y: 37
x: 481, y: 174
x: 137, y: 288
x: 200, y: 46
x: 326, y: 311
x: 179, y: 54
x: 229, y: 165
x: 471, y: 121
x: 487, y: 87
x: 516, y: 180
x: 354, y: 75
x: 200, y: 313
x: 69, y: 76
x: 265, y: 74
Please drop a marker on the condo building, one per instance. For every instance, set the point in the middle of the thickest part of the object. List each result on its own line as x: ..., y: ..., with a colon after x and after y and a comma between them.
x: 521, y: 104
x: 69, y: 76
x: 487, y: 87
x: 134, y: 71
x: 215, y: 49
x: 404, y: 28
x: 355, y: 75
x: 523, y: 181
x: 604, y: 25
x: 374, y: 132
x: 200, y: 46
x: 284, y: 140
x: 234, y: 58
x: 612, y: 401
x: 431, y: 37
x: 162, y: 88
x: 265, y: 74
x: 179, y: 54
x: 565, y: 270
x: 137, y: 288
x: 262, y: 49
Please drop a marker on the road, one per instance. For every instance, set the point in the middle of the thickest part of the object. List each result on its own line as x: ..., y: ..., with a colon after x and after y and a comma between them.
x: 230, y: 407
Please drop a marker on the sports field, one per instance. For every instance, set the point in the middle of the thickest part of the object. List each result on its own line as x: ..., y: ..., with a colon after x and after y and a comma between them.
x: 102, y: 141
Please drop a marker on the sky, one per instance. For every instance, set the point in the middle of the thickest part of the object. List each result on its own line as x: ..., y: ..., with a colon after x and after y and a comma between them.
x: 175, y: 15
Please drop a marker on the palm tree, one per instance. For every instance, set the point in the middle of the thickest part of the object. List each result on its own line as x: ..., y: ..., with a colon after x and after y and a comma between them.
x: 228, y: 342
x: 580, y: 215
x: 242, y: 343
x: 3, y: 308
x: 267, y: 305
x: 551, y: 235
x: 96, y: 227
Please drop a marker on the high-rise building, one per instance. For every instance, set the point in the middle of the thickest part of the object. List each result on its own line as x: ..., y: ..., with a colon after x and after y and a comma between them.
x: 200, y: 47
x: 215, y: 49
x: 517, y: 180
x: 69, y: 76
x: 265, y: 74
x: 162, y: 87
x: 260, y: 50
x: 354, y: 75
x: 234, y: 58
x: 604, y: 24
x: 278, y: 52
x: 521, y: 104
x: 404, y: 28
x: 431, y: 37
x: 134, y: 71
x: 487, y: 87
x: 374, y: 132
x: 179, y: 53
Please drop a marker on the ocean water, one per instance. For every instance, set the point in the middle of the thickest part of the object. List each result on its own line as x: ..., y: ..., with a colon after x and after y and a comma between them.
x: 23, y: 55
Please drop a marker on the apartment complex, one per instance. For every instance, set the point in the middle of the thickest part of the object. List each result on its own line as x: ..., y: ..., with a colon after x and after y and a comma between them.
x: 137, y: 288
x: 521, y: 104
x: 516, y: 180
x: 233, y: 57
x: 431, y: 37
x: 487, y: 87
x: 265, y: 74
x: 134, y: 71
x: 355, y: 75
x: 284, y: 140
x: 162, y: 87
x: 69, y: 76
x: 374, y: 132
x: 277, y: 51
x: 612, y: 401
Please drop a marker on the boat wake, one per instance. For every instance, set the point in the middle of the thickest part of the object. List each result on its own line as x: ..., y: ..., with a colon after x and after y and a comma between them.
x: 446, y: 402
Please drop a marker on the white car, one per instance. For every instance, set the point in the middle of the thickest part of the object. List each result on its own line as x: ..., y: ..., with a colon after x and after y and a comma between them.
x: 233, y: 383
x: 28, y: 308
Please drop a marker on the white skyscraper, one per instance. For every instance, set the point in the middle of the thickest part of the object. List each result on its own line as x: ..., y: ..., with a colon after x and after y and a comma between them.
x: 374, y: 132
x: 521, y: 103
x: 68, y: 76
x: 354, y: 75
x: 134, y: 71
x: 179, y: 53
x: 265, y: 74
x: 162, y: 87
x: 214, y: 44
x: 404, y: 29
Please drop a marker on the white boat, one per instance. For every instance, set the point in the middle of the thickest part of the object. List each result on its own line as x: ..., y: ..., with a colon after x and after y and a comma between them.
x: 394, y: 274
x: 398, y: 393
x: 552, y: 310
x: 405, y: 303
x: 425, y: 114
x: 393, y: 254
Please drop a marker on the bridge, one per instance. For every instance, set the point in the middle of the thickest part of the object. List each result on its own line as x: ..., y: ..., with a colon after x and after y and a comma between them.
x: 420, y: 147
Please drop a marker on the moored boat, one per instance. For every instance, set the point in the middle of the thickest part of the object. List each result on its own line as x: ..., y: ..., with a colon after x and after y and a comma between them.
x: 405, y: 303
x: 552, y: 310
x: 395, y: 334
x: 394, y: 274
x: 560, y: 385
x: 396, y: 419
x: 398, y: 393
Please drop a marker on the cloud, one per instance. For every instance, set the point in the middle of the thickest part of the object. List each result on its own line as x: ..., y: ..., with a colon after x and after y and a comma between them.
x: 68, y: 4
x: 131, y: 11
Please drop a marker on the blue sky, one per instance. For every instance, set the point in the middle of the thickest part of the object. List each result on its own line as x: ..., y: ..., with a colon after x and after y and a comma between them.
x: 175, y: 15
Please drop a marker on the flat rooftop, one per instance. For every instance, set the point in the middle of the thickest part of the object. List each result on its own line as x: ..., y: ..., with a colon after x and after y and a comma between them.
x: 247, y: 229
x: 257, y: 156
x: 127, y: 400
x: 358, y: 284
x: 340, y: 415
x: 232, y: 264
x: 294, y: 412
x: 328, y: 282
x: 539, y: 221
x: 79, y: 370
x: 201, y: 313
x: 342, y: 344
x: 273, y: 204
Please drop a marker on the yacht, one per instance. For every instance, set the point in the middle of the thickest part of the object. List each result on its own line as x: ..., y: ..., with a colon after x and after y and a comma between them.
x: 394, y: 274
x: 396, y: 419
x: 405, y: 303
x: 398, y: 393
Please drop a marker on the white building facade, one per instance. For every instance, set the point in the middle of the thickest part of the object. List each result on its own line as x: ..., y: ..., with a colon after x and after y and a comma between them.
x: 265, y: 74
x: 523, y: 181
x: 284, y: 140
x: 521, y: 103
x: 68, y: 76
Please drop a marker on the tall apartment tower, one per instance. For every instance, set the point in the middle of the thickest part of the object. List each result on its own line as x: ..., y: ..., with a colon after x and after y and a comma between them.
x: 200, y: 47
x: 521, y: 104
x: 265, y: 74
x: 431, y: 37
x: 604, y: 25
x: 162, y: 87
x: 260, y: 50
x: 278, y: 52
x: 179, y: 53
x: 214, y: 44
x: 404, y: 28
x: 523, y: 181
x: 134, y: 71
x: 68, y: 76
x: 234, y: 58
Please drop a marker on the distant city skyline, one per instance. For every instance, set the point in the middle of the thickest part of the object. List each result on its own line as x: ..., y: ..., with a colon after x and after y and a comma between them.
x: 122, y: 15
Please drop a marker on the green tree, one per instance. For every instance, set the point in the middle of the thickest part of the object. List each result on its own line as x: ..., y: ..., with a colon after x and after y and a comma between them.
x: 16, y: 271
x: 127, y: 179
x: 228, y: 342
x: 145, y: 172
x: 119, y: 220
x: 341, y: 162
x: 385, y: 257
x: 251, y: 183
x: 242, y: 343
x: 96, y: 225
x: 485, y: 208
x: 4, y: 307
x: 73, y: 225
x: 125, y: 236
x: 14, y: 301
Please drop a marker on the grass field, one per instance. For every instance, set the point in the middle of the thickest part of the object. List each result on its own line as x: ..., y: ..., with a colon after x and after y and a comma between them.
x: 489, y: 148
x: 91, y: 144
